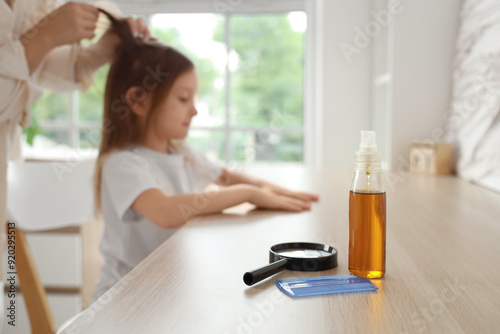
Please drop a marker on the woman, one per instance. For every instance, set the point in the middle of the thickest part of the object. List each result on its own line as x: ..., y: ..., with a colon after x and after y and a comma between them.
x: 39, y: 50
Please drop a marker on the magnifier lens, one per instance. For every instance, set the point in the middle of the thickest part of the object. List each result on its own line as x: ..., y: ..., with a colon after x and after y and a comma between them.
x: 301, y: 256
x: 303, y: 253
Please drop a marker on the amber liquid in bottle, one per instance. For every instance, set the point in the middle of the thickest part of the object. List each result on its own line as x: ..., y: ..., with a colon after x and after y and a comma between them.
x: 367, y: 234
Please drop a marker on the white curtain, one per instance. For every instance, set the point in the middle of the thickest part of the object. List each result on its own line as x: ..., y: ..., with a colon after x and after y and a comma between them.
x: 473, y: 124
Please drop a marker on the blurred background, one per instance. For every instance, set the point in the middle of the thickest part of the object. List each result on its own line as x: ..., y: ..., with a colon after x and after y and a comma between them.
x: 293, y: 82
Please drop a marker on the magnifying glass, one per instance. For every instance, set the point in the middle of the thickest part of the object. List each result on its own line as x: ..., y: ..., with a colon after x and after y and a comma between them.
x: 299, y: 256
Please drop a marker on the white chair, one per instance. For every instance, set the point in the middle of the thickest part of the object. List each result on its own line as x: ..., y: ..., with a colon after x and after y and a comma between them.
x: 50, y: 197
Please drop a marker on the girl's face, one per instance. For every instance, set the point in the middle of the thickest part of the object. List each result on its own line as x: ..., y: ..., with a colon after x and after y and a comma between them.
x: 176, y: 111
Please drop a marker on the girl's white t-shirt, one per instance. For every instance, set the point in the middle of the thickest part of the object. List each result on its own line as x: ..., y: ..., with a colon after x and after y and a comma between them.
x: 128, y: 237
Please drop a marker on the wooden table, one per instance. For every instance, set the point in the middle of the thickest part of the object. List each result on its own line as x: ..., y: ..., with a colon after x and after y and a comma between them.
x: 443, y: 267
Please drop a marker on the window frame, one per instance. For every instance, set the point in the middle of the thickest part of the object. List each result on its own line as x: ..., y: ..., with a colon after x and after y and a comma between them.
x: 311, y: 129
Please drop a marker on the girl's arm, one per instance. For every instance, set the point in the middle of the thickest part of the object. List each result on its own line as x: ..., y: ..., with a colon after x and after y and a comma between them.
x: 231, y: 178
x: 174, y: 211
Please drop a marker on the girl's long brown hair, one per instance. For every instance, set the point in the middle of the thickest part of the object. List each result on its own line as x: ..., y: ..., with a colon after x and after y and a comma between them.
x: 149, y: 66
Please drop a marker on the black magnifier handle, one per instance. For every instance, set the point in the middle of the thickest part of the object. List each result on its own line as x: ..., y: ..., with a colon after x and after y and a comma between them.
x: 258, y: 275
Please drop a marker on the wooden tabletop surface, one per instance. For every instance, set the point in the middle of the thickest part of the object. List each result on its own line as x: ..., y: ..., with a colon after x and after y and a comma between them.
x: 443, y: 267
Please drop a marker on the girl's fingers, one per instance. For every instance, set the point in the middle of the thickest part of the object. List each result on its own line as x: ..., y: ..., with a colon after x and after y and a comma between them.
x: 293, y: 207
x: 302, y: 196
x: 310, y: 197
x: 300, y: 203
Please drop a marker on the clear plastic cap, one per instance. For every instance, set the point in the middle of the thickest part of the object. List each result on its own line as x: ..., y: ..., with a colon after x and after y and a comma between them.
x: 367, y: 154
x: 368, y: 141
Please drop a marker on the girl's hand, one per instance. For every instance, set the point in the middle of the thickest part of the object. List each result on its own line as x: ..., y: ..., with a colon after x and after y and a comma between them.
x: 266, y: 198
x: 308, y: 197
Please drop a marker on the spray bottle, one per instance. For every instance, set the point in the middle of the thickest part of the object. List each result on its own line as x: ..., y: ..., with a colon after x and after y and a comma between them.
x: 367, y: 212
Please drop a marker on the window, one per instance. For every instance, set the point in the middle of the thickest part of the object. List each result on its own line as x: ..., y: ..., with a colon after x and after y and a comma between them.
x: 251, y: 99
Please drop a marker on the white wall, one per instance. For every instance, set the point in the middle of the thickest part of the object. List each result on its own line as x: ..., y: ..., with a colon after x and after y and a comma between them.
x: 424, y: 48
x: 419, y: 44
x: 345, y: 86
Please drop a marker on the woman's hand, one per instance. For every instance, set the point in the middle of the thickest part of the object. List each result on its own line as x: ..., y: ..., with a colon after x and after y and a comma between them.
x: 95, y: 55
x: 106, y: 46
x: 67, y: 24
x: 267, y: 198
x: 139, y: 28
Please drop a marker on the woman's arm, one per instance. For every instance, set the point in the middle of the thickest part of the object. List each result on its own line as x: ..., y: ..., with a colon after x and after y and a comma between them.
x: 174, y: 211
x: 231, y: 178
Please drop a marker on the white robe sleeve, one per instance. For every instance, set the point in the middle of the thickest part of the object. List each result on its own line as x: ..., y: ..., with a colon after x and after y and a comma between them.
x: 14, y: 70
x: 57, y: 71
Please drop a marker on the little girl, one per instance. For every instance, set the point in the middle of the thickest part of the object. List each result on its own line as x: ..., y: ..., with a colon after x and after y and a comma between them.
x: 147, y: 177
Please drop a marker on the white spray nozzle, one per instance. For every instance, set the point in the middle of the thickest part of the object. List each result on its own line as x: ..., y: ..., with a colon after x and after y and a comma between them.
x: 367, y: 156
x: 368, y: 141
